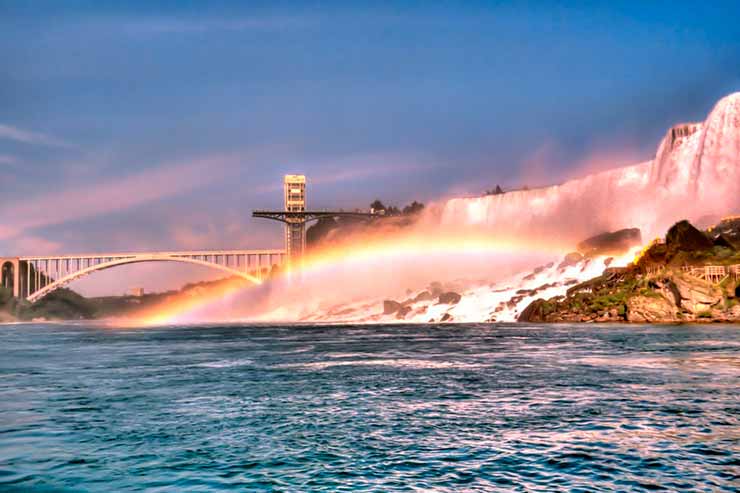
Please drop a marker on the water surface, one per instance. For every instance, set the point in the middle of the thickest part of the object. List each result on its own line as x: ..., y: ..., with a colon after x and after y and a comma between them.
x: 369, y: 408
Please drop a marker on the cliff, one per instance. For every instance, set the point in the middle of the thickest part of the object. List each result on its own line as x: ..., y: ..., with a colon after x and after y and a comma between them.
x: 695, y: 173
x: 688, y: 277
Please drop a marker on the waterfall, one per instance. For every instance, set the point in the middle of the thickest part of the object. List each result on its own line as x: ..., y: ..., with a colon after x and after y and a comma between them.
x: 695, y: 175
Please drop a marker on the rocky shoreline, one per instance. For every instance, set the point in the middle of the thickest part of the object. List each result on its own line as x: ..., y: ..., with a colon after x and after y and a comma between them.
x: 690, y: 276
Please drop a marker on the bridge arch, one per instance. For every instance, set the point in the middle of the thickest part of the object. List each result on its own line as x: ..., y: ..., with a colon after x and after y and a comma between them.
x: 37, y: 295
x: 7, y: 275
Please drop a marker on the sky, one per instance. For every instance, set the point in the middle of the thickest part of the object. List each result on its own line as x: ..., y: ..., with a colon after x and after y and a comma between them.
x: 162, y: 125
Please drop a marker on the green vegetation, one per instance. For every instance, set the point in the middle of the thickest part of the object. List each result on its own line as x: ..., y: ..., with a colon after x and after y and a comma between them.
x: 62, y: 304
x: 328, y: 229
x: 496, y: 191
x: 65, y: 304
x: 656, y: 287
x: 412, y: 209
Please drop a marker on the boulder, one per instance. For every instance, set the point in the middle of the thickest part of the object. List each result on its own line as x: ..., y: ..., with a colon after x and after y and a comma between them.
x: 390, y: 307
x: 435, y: 288
x: 722, y: 241
x: 686, y: 238
x: 403, y: 311
x: 612, y: 243
x: 697, y: 295
x: 423, y: 296
x: 644, y: 309
x: 449, y: 298
x: 571, y: 259
x: 734, y: 313
x: 729, y: 229
x: 534, y: 312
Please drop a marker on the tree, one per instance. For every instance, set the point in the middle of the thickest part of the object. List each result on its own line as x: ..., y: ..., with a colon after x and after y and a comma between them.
x: 377, y: 205
x: 413, y: 208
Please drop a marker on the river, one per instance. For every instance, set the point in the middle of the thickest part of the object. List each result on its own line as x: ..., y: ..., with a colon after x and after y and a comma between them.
x: 369, y: 408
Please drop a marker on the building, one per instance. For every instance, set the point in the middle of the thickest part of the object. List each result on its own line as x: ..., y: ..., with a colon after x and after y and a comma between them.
x: 295, y: 228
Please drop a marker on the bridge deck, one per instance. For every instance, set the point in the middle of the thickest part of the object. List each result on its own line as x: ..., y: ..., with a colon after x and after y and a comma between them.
x: 154, y: 253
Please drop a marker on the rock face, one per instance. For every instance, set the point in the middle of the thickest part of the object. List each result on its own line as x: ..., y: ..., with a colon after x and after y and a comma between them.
x: 683, y: 236
x: 423, y: 296
x: 390, y: 307
x: 403, y: 311
x: 697, y: 296
x: 727, y: 231
x: 651, y: 309
x: 449, y: 298
x: 570, y: 259
x: 614, y: 243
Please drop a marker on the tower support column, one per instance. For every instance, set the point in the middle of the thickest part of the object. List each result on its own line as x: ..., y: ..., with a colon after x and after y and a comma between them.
x: 294, y: 191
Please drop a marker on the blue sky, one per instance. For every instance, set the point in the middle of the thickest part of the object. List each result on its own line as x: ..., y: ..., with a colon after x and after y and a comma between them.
x: 146, y: 125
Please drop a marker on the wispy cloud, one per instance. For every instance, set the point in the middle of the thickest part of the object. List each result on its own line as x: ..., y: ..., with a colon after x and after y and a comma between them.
x: 6, y: 159
x: 203, y: 25
x: 33, y: 138
x: 34, y: 245
x: 359, y: 167
x: 95, y: 199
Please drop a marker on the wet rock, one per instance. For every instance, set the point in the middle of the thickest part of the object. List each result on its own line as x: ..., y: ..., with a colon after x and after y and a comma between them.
x: 423, y: 296
x: 644, y: 309
x: 435, y: 289
x: 390, y: 307
x: 544, y: 287
x: 449, y: 298
x: 534, y: 312
x: 613, y: 243
x: 402, y: 312
x: 571, y: 259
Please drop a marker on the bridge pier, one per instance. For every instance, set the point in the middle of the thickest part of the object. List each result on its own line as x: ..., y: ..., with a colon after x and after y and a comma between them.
x: 10, y: 274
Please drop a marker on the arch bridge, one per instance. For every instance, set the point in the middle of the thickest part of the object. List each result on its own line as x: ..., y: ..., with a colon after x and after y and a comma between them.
x: 34, y: 277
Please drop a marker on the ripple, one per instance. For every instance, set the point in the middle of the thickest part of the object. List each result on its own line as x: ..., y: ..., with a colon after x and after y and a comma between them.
x: 385, y: 408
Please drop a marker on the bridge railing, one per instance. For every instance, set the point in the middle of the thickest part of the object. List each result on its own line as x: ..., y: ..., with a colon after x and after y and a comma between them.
x: 43, y: 274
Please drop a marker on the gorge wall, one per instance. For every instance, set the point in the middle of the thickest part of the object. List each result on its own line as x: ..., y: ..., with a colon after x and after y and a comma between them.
x: 695, y: 174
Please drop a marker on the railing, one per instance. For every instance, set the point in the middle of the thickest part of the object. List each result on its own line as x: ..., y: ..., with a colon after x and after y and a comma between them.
x: 713, y: 273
